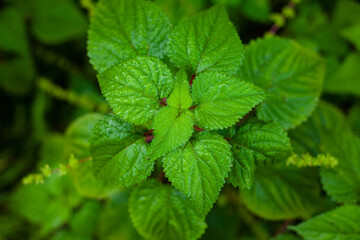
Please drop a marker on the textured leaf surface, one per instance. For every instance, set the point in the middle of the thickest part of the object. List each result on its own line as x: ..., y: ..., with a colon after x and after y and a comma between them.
x: 134, y: 89
x: 291, y: 75
x: 280, y: 193
x: 340, y: 224
x: 207, y: 41
x: 199, y: 169
x: 222, y: 99
x: 342, y: 183
x: 160, y: 212
x: 119, y: 153
x: 180, y: 97
x: 257, y: 142
x: 171, y: 130
x: 121, y: 29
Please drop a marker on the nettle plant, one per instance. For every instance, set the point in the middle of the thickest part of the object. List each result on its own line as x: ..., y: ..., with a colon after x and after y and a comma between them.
x: 191, y: 101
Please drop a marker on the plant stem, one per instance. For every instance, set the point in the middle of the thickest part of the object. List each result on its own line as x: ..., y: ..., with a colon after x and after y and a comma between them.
x: 198, y: 129
x: 275, y: 28
x: 71, y: 97
x: 283, y: 227
x: 192, y: 79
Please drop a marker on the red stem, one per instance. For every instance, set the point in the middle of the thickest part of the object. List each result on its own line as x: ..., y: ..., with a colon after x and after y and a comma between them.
x: 274, y: 28
x: 148, y: 139
x: 198, y: 129
x: 161, y: 176
x: 148, y: 132
x: 163, y: 102
x: 192, y: 79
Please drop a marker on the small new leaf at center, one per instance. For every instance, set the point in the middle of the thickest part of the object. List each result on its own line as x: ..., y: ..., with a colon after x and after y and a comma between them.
x: 180, y: 97
x: 171, y: 130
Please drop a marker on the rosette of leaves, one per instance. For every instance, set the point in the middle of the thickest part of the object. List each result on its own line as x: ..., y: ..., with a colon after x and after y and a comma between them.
x: 176, y: 98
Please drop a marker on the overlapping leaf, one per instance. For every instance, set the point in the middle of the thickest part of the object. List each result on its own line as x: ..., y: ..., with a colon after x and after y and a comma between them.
x: 121, y: 29
x: 342, y: 182
x: 260, y: 143
x: 222, y: 99
x: 160, y: 212
x: 327, y: 132
x: 309, y: 135
x: 135, y: 88
x: 77, y: 142
x: 119, y: 152
x: 171, y: 130
x: 207, y: 41
x: 180, y: 97
x: 340, y: 224
x: 291, y: 74
x: 199, y: 169
x: 343, y: 80
x: 280, y: 193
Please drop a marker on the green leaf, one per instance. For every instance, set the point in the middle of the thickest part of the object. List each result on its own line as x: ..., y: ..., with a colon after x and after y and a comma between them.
x: 171, y: 130
x: 114, y: 221
x: 159, y: 212
x: 16, y: 64
x: 119, y: 152
x: 352, y: 34
x: 135, y: 88
x: 180, y: 97
x: 342, y: 182
x: 342, y: 81
x: 223, y: 99
x: 54, y: 199
x: 176, y: 10
x: 85, y: 220
x: 280, y: 193
x: 346, y: 13
x: 122, y: 29
x: 207, y: 41
x: 57, y: 21
x: 291, y: 75
x: 77, y: 141
x: 53, y: 150
x: 256, y: 142
x: 78, y: 134
x: 327, y: 132
x: 354, y: 118
x: 340, y: 224
x: 286, y: 236
x: 309, y: 136
x: 86, y: 183
x: 257, y: 10
x: 199, y: 169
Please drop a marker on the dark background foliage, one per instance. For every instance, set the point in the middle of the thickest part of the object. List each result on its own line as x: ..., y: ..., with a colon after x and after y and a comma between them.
x: 46, y: 82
